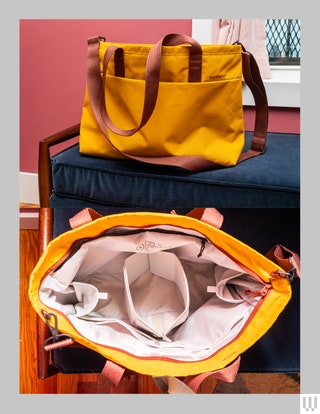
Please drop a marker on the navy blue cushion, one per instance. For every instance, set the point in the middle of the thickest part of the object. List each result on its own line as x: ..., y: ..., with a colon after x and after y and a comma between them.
x: 270, y: 180
x: 279, y: 349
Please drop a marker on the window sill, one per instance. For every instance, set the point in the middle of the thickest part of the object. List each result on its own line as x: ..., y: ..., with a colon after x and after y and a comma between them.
x: 283, y: 88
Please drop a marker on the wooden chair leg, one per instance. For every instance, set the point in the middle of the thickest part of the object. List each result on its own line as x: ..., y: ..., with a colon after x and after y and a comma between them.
x: 44, y: 237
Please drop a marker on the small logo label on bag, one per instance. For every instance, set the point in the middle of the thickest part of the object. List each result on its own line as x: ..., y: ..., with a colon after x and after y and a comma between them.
x: 309, y: 403
x: 217, y: 77
x: 150, y: 245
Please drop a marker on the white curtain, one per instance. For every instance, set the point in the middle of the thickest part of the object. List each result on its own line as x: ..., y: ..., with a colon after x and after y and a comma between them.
x: 250, y: 32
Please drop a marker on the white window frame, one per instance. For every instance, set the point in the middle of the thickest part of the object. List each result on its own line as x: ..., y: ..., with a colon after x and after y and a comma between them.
x: 283, y: 88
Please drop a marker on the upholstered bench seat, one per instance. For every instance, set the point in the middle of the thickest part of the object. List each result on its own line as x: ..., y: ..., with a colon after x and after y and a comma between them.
x: 270, y: 180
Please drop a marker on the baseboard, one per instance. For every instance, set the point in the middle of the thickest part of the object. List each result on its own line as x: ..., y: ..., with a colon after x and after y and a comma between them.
x: 28, y: 220
x: 28, y: 196
x: 28, y: 191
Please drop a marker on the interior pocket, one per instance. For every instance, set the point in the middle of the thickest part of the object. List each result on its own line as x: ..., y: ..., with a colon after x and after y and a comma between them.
x: 156, y: 292
x: 233, y: 286
x: 87, y: 298
x: 212, y: 325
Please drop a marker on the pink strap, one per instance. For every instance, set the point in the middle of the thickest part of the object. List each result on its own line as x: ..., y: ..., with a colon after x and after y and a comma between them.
x: 208, y: 215
x: 47, y: 346
x: 113, y: 372
x: 153, y: 67
x: 83, y: 217
x: 285, y: 258
x: 227, y: 374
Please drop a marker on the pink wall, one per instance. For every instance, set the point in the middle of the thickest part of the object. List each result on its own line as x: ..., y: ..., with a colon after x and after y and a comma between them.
x: 53, y: 66
x: 280, y: 120
x: 52, y: 75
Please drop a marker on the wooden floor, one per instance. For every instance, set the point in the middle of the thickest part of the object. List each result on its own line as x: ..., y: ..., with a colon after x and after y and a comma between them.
x: 95, y: 383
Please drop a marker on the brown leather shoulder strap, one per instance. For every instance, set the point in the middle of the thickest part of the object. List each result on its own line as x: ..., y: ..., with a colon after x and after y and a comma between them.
x: 252, y: 77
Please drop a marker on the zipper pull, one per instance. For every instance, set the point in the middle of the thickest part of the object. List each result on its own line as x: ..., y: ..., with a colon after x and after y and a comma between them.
x: 290, y: 275
x: 56, y: 340
x: 262, y: 292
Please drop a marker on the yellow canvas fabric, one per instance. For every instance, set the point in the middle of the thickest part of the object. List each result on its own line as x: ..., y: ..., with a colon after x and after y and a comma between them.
x: 263, y: 317
x: 203, y: 119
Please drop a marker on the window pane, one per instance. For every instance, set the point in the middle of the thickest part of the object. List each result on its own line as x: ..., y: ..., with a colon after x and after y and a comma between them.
x: 283, y: 41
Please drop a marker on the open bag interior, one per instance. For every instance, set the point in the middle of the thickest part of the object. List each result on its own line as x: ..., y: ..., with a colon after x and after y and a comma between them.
x: 153, y: 291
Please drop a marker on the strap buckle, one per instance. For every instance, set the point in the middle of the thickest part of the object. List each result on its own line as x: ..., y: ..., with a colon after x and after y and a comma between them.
x: 56, y: 340
x: 239, y: 43
x: 289, y: 275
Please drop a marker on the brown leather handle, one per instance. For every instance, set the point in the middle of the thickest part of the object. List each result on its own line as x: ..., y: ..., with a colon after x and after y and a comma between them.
x: 96, y: 87
x: 195, y: 55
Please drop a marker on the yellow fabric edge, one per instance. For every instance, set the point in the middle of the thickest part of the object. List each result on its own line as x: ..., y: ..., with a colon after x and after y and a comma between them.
x: 262, y: 320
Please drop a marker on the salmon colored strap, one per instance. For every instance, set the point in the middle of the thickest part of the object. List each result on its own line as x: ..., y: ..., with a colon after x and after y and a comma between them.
x: 285, y: 258
x: 113, y: 372
x: 227, y: 374
x: 153, y: 66
x: 191, y: 384
x: 95, y: 84
x: 84, y: 216
x: 208, y: 215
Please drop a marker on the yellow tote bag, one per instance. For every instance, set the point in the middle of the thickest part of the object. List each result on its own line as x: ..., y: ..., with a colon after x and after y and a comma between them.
x: 173, y: 103
x: 160, y: 294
